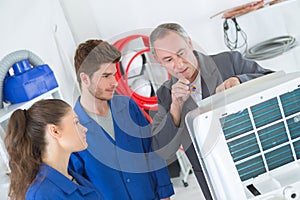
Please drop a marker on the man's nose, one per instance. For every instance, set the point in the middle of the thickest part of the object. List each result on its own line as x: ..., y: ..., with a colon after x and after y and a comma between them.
x: 114, y: 81
x: 178, y: 62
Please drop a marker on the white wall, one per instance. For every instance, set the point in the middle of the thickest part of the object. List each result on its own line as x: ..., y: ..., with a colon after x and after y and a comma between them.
x: 272, y: 21
x: 115, y: 19
x: 40, y: 26
x: 53, y: 29
x: 80, y: 19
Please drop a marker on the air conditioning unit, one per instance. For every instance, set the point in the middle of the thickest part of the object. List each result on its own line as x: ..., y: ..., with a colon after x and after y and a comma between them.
x: 248, y: 139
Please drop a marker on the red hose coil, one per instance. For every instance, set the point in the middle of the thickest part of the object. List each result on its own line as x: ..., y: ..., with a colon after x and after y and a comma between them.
x: 148, y: 103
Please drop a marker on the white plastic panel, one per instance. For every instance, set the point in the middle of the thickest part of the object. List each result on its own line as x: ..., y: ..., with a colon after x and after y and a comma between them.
x: 248, y: 139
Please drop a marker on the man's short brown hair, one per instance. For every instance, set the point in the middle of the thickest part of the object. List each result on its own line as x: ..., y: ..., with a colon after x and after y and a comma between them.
x: 93, y: 53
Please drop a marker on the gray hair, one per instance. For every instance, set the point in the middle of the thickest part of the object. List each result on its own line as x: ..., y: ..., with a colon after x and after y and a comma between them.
x: 164, y: 29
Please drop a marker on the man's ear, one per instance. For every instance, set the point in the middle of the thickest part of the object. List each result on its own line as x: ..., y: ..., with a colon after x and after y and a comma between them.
x: 156, y: 58
x: 85, y: 79
x: 190, y: 42
x: 53, y: 130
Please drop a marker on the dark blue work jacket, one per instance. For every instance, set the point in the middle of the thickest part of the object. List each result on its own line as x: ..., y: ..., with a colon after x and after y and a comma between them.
x: 124, y: 168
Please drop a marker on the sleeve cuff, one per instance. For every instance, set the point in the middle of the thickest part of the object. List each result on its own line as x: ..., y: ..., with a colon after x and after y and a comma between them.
x: 165, y: 191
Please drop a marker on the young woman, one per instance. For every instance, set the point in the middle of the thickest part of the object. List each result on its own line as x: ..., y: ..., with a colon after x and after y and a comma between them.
x: 40, y: 141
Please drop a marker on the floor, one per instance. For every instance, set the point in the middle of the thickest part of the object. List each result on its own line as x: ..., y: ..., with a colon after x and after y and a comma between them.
x: 182, y: 170
x: 191, y: 192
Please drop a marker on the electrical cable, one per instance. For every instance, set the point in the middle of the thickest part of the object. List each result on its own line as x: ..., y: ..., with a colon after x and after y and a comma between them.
x: 271, y: 48
x: 240, y: 36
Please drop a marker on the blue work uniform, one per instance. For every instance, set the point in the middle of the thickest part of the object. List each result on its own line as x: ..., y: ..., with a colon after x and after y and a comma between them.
x: 124, y: 167
x: 51, y: 184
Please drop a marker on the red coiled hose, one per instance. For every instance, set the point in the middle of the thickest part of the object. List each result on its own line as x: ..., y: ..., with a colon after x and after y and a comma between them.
x: 148, y: 103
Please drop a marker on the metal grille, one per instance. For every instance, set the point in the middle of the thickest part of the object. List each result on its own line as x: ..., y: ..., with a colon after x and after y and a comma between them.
x: 291, y: 102
x: 266, y: 112
x: 272, y: 136
x: 236, y: 124
x: 297, y: 149
x: 243, y: 147
x: 251, y: 168
x: 264, y: 136
x: 279, y: 157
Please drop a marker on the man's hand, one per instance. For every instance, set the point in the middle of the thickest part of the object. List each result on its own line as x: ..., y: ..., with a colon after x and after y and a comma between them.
x: 229, y: 83
x: 180, y: 93
x: 165, y: 199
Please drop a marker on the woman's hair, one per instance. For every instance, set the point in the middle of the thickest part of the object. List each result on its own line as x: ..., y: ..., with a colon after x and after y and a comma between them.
x: 93, y: 53
x: 25, y: 141
x: 164, y: 29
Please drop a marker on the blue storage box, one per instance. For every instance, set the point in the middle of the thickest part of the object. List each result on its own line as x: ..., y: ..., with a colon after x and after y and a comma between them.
x: 28, y: 82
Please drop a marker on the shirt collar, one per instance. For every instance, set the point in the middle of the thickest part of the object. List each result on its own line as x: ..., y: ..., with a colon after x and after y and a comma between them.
x: 47, y: 172
x: 116, y: 106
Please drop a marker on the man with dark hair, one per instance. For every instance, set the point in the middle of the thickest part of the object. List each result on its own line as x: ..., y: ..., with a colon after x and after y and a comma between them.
x: 119, y: 160
x: 173, y: 49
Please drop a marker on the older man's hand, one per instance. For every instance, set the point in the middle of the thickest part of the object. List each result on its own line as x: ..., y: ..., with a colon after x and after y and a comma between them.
x: 229, y: 83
